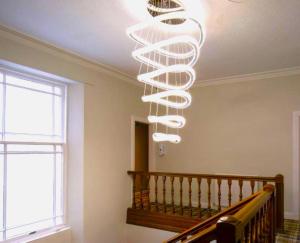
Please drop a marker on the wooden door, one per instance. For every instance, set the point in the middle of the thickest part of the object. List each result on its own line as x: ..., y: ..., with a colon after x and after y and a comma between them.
x: 141, y: 151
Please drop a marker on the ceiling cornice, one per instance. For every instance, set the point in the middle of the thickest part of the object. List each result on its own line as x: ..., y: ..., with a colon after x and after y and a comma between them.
x: 34, y: 42
x: 249, y: 77
x: 113, y: 72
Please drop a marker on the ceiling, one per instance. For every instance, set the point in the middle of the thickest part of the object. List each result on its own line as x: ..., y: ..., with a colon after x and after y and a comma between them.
x: 241, y: 38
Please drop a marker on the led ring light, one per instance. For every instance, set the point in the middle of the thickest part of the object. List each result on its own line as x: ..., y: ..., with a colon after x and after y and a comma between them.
x: 167, y: 14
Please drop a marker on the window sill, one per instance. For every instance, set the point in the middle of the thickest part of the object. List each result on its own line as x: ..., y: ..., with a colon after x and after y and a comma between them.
x: 39, y: 235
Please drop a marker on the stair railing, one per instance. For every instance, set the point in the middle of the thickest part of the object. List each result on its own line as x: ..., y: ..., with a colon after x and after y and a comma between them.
x: 251, y: 220
x: 184, y: 194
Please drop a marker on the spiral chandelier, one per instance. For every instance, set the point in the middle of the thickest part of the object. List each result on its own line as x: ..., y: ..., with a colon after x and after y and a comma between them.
x: 167, y: 47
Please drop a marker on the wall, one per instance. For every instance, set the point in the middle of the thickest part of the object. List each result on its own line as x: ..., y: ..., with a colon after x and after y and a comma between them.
x: 241, y: 128
x: 138, y: 234
x: 75, y: 161
x: 99, y: 166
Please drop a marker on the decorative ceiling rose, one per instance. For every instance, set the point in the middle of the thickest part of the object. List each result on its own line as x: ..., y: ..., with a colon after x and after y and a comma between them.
x: 167, y: 50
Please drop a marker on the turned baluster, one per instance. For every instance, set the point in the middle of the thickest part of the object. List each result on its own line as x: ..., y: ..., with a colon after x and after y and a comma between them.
x: 199, y: 179
x: 209, y: 196
x: 141, y: 191
x: 164, y: 193
x: 241, y: 189
x: 267, y: 221
x: 246, y: 233
x: 252, y: 230
x: 156, y: 201
x: 219, y: 181
x: 255, y: 228
x: 148, y: 191
x: 271, y: 220
x: 172, y: 193
x: 181, y: 206
x: 261, y: 224
x: 252, y: 184
x: 190, y: 195
x: 133, y: 191
x: 264, y: 223
x: 258, y: 227
x: 268, y: 226
x: 229, y: 192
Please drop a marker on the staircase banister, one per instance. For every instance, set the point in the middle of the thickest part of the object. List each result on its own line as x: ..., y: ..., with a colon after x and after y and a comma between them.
x: 212, y: 220
x: 249, y: 211
x: 207, y: 235
x: 231, y: 228
x: 211, y: 176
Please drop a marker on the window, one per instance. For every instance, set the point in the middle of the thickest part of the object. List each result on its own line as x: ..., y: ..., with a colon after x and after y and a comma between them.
x: 32, y: 141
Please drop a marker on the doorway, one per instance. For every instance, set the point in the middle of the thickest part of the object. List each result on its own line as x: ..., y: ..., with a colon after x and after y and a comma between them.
x: 141, y: 162
x: 141, y: 139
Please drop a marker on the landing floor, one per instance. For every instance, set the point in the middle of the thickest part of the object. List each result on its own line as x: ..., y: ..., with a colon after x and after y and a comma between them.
x: 291, y: 232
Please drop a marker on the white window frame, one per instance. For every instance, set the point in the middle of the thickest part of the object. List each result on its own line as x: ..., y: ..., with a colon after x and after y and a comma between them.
x: 64, y: 87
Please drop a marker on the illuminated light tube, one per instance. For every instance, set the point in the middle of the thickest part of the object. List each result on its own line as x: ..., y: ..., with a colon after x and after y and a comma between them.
x: 166, y: 10
x: 159, y: 98
x: 173, y: 121
x: 148, y: 78
x: 131, y: 31
x: 139, y: 54
x: 169, y: 94
x: 162, y: 137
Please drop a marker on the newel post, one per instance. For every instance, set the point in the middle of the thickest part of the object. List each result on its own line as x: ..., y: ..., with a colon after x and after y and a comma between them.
x: 279, y: 202
x: 227, y: 230
x: 133, y: 191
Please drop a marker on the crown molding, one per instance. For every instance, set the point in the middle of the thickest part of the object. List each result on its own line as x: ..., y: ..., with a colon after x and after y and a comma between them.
x: 34, y: 42
x: 249, y: 77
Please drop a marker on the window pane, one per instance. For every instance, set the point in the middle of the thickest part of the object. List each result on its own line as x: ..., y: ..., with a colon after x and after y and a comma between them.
x: 59, y: 185
x: 29, y: 188
x: 1, y: 187
x: 1, y: 105
x: 29, y: 228
x: 58, y: 116
x: 28, y: 84
x: 28, y: 113
x: 32, y: 115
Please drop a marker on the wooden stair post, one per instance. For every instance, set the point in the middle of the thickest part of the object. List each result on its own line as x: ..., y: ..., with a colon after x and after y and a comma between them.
x: 279, y: 202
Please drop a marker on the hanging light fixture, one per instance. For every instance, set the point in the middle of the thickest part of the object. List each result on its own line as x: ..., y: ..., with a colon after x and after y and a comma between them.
x: 167, y: 47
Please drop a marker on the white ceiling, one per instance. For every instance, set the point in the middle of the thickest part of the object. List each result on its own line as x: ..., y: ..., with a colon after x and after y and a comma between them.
x: 249, y: 37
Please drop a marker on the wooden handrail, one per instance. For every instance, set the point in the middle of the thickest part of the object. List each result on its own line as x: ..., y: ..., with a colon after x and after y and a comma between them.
x: 211, y: 176
x: 211, y: 221
x: 258, y: 215
x: 248, y: 211
x: 238, y: 225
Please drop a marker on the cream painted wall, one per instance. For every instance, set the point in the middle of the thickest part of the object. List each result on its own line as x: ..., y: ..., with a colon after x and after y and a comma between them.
x: 138, y: 234
x: 75, y: 161
x: 241, y: 128
x: 108, y: 106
